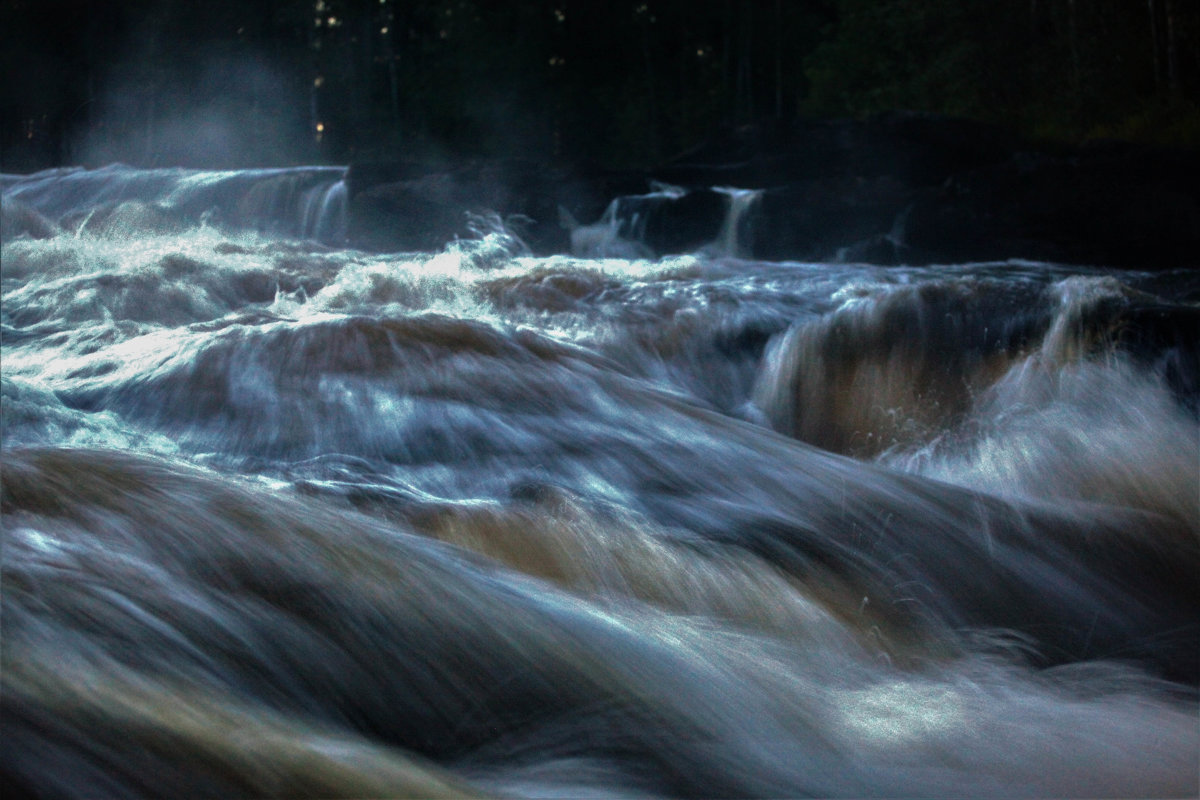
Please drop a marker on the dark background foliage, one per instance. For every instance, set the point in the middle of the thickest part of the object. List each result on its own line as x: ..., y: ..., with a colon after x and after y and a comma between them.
x: 257, y: 82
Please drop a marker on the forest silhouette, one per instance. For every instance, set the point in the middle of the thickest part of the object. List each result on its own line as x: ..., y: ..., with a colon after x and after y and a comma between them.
x: 225, y: 83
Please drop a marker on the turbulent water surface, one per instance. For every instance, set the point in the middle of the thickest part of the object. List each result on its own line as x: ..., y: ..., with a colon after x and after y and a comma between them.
x: 283, y: 518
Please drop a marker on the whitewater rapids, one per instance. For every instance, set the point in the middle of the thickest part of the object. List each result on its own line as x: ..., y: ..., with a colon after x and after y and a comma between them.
x: 282, y: 518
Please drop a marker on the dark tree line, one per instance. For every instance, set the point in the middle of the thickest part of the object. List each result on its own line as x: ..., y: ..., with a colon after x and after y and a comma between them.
x: 1059, y: 68
x: 239, y: 82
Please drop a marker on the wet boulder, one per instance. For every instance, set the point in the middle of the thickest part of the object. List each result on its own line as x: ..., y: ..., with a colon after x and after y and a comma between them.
x: 1117, y: 206
x: 410, y: 206
x: 829, y: 220
x: 685, y: 223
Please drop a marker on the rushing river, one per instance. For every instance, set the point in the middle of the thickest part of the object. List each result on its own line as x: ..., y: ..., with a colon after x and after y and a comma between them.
x: 282, y: 518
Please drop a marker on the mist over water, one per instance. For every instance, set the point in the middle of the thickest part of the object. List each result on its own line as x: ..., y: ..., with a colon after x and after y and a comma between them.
x: 283, y: 518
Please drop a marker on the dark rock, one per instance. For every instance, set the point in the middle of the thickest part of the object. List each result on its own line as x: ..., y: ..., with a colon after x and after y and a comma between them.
x: 816, y: 219
x: 878, y: 249
x: 364, y: 175
x: 1165, y: 337
x: 410, y: 206
x: 896, y: 188
x: 1134, y: 209
x: 419, y: 214
x: 687, y: 223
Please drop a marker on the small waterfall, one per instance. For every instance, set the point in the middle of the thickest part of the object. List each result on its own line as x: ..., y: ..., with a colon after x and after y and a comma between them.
x: 669, y: 219
x: 618, y: 233
x: 713, y: 222
x: 600, y: 239
x: 323, y: 212
x: 306, y: 202
x: 735, y: 239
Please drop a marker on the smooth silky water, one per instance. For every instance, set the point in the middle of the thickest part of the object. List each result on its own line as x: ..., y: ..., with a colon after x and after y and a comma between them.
x: 283, y: 518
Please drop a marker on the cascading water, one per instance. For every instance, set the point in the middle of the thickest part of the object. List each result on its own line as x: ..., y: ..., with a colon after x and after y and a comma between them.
x: 621, y: 230
x: 307, y: 202
x: 324, y: 212
x: 290, y: 519
x: 624, y: 230
x: 735, y: 236
x: 604, y: 239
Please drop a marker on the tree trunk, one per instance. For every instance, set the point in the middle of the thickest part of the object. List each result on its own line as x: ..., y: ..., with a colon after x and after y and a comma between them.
x: 744, y: 91
x: 778, y: 60
x: 1073, y: 45
x: 654, y: 135
x: 1155, y: 44
x: 1172, y: 49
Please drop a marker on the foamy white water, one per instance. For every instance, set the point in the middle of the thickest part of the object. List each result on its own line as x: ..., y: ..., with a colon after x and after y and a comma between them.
x: 287, y: 519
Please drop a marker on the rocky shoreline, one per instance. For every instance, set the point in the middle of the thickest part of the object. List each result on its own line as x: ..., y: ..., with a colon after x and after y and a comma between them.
x: 899, y: 188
